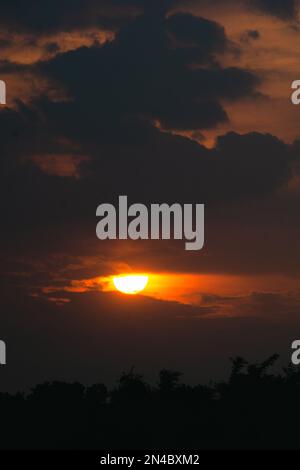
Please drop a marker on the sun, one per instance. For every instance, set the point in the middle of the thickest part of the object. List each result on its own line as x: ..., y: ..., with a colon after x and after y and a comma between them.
x: 131, y: 283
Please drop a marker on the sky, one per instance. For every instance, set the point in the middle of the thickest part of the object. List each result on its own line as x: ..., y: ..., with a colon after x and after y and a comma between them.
x: 183, y: 101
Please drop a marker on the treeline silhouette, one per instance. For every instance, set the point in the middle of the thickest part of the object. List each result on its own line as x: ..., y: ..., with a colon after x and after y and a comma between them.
x: 252, y: 409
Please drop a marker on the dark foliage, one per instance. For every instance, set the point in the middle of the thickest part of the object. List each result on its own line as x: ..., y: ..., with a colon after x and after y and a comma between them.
x: 253, y: 409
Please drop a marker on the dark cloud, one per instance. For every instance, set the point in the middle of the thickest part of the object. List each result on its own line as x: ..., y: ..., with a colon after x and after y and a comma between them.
x: 115, y: 93
x: 43, y: 215
x: 250, y: 35
x: 52, y: 47
x: 204, y: 34
x: 284, y: 9
x: 273, y: 305
x: 144, y: 73
x: 56, y: 16
x: 44, y: 17
x: 253, y: 34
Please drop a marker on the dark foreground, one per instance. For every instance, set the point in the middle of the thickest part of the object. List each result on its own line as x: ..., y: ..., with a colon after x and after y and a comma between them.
x: 254, y: 409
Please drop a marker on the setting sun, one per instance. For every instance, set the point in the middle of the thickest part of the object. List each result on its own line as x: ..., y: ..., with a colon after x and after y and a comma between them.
x: 130, y: 284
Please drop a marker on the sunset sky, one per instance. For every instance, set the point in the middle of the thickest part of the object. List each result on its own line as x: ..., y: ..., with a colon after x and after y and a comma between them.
x: 163, y: 101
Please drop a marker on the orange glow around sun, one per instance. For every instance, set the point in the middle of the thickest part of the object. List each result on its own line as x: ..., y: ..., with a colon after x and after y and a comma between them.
x: 131, y: 283
x: 185, y: 288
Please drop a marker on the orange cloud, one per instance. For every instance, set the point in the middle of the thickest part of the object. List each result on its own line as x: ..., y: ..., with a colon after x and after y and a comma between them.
x: 185, y: 288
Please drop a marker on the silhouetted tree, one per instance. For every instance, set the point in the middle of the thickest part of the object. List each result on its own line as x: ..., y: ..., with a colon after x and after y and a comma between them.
x: 253, y: 409
x: 131, y: 387
x: 168, y: 380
